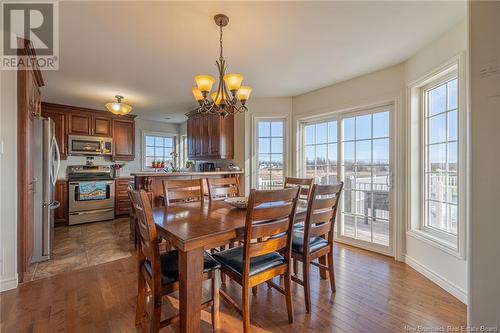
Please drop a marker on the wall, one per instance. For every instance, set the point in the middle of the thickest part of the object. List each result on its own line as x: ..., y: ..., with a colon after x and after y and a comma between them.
x: 8, y: 179
x: 484, y: 267
x: 445, y: 269
x: 132, y: 166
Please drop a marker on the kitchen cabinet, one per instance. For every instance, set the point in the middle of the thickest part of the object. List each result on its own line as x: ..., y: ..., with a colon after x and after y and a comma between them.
x: 123, y: 140
x: 122, y: 201
x: 79, y: 123
x: 72, y: 120
x: 102, y: 126
x: 61, y: 195
x: 210, y: 136
x: 59, y: 119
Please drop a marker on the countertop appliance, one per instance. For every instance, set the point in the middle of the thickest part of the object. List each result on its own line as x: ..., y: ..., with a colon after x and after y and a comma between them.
x: 46, y: 162
x: 89, y: 145
x: 91, y: 193
x: 207, y: 166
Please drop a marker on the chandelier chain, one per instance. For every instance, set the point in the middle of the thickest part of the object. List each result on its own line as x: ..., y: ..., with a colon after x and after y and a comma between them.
x: 220, y: 41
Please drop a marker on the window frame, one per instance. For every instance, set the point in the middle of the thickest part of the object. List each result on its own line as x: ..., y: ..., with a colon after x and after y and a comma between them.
x: 454, y: 245
x: 144, y: 133
x: 255, y: 149
x: 425, y: 143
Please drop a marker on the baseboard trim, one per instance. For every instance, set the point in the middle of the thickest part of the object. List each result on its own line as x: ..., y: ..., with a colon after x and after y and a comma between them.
x: 447, y: 285
x: 8, y: 284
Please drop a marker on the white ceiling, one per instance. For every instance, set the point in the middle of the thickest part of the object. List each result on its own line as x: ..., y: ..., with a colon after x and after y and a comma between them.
x: 150, y: 51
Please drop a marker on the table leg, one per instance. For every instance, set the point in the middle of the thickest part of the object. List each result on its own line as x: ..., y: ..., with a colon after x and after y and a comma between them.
x: 190, y: 284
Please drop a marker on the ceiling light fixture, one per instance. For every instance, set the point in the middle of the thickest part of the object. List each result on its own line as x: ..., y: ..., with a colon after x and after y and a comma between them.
x: 231, y: 96
x: 118, y: 107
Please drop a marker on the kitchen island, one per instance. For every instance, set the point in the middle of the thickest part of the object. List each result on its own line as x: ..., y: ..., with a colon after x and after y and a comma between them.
x: 152, y: 181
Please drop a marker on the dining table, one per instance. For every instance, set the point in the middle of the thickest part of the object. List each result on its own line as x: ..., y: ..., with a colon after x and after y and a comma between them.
x: 192, y: 228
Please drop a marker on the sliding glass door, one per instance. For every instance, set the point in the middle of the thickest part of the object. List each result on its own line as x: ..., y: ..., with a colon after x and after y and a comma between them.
x: 355, y: 148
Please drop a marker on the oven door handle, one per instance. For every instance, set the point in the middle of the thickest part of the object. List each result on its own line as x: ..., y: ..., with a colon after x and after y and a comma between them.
x: 87, y: 212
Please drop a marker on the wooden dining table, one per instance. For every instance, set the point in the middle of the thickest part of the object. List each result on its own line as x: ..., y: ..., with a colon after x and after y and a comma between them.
x: 193, y: 228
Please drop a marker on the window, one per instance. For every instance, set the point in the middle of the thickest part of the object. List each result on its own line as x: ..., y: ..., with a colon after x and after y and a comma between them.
x: 440, y: 101
x: 269, y: 151
x: 158, y: 148
x: 320, y: 150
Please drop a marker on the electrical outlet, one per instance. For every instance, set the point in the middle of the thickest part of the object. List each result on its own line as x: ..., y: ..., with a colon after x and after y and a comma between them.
x: 1, y: 147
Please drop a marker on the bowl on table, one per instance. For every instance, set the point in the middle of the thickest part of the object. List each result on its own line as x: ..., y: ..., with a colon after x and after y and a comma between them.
x: 238, y: 202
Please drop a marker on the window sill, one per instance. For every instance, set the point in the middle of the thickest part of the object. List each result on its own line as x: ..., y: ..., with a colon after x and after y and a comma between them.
x: 444, y: 245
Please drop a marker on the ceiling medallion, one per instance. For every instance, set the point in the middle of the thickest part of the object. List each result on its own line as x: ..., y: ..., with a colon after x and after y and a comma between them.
x: 231, y: 96
x: 118, y: 107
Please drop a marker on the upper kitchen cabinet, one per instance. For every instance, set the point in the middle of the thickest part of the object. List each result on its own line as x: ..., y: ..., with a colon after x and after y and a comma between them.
x: 81, y: 121
x: 123, y: 140
x: 210, y: 136
x: 59, y: 118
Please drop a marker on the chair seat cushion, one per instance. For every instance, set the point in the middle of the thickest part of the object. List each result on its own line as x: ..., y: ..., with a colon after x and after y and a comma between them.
x: 315, y: 243
x: 233, y: 259
x: 169, y: 263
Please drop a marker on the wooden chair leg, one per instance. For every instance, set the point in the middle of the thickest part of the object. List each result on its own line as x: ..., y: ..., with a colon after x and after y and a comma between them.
x: 141, y: 299
x: 245, y: 307
x: 254, y: 290
x: 288, y: 295
x: 322, y: 271
x: 331, y: 272
x: 154, y: 326
x: 307, y: 287
x: 295, y: 267
x: 215, y: 301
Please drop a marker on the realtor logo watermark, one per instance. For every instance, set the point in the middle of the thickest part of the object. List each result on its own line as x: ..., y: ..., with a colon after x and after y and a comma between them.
x: 37, y: 22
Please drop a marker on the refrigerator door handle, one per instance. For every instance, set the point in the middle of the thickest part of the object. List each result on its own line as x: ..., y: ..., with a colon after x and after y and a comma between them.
x: 54, y: 176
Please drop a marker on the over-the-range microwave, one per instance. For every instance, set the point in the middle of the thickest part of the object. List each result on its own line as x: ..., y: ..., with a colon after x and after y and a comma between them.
x: 89, y: 145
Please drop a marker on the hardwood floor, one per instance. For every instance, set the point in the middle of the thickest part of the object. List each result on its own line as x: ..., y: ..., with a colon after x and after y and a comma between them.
x: 374, y: 294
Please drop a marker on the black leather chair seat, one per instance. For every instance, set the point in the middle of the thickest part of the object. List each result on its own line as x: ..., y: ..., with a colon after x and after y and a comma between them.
x: 169, y: 263
x: 233, y: 259
x: 315, y: 243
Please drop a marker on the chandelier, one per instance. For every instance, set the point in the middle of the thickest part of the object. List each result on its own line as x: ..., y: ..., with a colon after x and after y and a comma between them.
x: 230, y: 96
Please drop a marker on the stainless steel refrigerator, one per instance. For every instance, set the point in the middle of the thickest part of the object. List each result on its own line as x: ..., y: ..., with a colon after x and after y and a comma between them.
x: 46, y: 164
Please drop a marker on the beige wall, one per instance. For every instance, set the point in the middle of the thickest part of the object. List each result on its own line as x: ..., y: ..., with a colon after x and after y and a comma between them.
x: 8, y: 180
x: 484, y: 268
x: 444, y: 268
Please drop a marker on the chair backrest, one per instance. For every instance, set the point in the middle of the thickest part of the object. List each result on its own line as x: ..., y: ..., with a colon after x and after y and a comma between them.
x: 305, y: 185
x: 269, y: 223
x: 222, y: 188
x: 182, y: 190
x: 321, y: 212
x: 147, y: 234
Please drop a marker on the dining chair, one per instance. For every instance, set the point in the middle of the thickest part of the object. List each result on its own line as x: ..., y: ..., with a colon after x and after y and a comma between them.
x: 182, y: 190
x: 315, y: 241
x: 305, y: 185
x: 132, y: 218
x: 159, y: 273
x: 222, y: 188
x: 266, y: 250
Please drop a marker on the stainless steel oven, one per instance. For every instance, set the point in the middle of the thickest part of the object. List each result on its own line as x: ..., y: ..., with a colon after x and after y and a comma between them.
x: 89, y: 145
x: 91, y: 194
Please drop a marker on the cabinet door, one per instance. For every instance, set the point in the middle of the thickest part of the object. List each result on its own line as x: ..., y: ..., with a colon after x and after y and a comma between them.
x: 61, y: 195
x: 60, y: 130
x: 101, y: 126
x: 205, y: 135
x: 123, y: 140
x: 198, y: 136
x: 214, y: 122
x: 190, y: 137
x: 79, y: 124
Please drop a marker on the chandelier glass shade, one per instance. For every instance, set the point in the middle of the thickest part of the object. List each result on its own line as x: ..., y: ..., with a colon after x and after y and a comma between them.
x: 118, y: 107
x: 230, y: 96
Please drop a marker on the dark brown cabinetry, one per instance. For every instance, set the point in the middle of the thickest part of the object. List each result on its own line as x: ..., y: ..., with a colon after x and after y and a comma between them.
x: 122, y: 201
x: 210, y: 136
x: 123, y: 140
x: 81, y: 121
x: 61, y: 195
x: 59, y: 119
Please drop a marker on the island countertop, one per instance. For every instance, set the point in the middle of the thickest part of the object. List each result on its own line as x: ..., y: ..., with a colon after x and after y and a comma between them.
x: 186, y: 173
